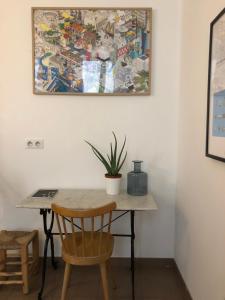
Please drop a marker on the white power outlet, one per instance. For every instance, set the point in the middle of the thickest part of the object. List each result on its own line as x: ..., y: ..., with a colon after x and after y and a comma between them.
x: 34, y: 143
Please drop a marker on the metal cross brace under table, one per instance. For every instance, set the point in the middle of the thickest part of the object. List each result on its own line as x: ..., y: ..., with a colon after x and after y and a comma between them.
x: 49, y: 238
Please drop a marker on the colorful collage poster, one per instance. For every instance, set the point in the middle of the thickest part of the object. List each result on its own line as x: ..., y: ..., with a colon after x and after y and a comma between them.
x: 92, y: 51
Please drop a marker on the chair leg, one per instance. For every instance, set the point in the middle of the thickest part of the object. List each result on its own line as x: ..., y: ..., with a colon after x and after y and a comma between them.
x: 35, y: 250
x: 66, y: 281
x: 109, y: 270
x: 24, y: 269
x: 2, y: 263
x: 104, y: 281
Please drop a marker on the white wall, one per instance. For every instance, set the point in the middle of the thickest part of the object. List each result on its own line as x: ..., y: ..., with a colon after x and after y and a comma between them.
x: 150, y: 124
x: 200, y: 222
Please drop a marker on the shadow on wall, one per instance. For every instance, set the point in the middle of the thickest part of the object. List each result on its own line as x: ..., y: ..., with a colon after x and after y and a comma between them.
x: 162, y: 232
x: 8, y: 194
x: 182, y: 239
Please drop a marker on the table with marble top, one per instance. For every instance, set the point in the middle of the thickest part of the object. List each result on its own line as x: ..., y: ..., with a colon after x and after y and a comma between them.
x: 87, y: 199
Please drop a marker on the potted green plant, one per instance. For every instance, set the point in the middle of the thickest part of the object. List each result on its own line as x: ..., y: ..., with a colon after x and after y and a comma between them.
x: 113, y: 163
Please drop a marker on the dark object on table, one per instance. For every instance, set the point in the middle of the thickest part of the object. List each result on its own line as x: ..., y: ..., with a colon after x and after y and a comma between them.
x: 137, y: 181
x: 45, y: 193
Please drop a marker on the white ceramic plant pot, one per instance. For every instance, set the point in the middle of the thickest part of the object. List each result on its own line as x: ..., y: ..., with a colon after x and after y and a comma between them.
x: 113, y: 184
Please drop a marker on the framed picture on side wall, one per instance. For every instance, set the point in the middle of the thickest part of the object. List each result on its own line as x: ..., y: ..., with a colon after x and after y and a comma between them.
x: 215, y: 135
x: 92, y: 51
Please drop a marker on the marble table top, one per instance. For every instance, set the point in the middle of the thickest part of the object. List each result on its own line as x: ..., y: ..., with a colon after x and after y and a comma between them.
x: 87, y: 198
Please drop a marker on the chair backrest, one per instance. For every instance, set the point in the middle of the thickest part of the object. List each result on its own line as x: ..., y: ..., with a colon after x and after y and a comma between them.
x: 83, y: 223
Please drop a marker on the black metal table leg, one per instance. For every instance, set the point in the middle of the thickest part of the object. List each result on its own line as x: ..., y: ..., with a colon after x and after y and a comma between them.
x: 54, y: 263
x: 48, y: 236
x: 43, y: 269
x: 132, y: 213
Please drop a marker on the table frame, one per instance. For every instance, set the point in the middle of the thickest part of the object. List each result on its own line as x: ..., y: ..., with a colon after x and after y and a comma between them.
x: 49, y: 237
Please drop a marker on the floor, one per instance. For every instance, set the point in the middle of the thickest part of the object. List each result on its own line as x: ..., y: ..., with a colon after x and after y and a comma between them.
x: 156, y: 279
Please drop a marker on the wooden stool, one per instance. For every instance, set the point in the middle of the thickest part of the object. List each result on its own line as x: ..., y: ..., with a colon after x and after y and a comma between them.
x: 18, y: 240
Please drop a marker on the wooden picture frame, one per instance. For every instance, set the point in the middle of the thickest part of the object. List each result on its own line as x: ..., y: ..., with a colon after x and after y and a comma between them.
x: 215, y: 127
x: 92, y: 51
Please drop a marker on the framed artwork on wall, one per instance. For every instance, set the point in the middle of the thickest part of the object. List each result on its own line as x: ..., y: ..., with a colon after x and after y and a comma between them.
x: 215, y: 135
x: 92, y: 51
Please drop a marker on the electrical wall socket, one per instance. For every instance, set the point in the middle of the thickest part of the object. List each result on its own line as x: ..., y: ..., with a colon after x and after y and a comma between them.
x: 34, y: 143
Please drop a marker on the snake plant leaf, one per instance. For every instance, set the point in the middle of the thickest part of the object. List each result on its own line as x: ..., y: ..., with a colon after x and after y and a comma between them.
x: 112, y: 162
x: 104, y: 162
x: 120, y: 166
x: 99, y: 156
x: 111, y: 151
x: 121, y: 152
x: 109, y: 158
x: 107, y: 166
x: 112, y: 159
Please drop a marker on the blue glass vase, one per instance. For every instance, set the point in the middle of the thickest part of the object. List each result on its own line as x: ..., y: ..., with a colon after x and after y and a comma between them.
x: 137, y: 181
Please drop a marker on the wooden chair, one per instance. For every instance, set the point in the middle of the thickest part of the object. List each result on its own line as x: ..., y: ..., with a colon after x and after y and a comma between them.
x: 85, y: 245
x: 19, y: 241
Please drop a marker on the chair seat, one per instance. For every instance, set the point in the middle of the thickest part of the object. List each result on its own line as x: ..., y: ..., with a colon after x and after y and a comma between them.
x: 88, y: 252
x: 13, y: 240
